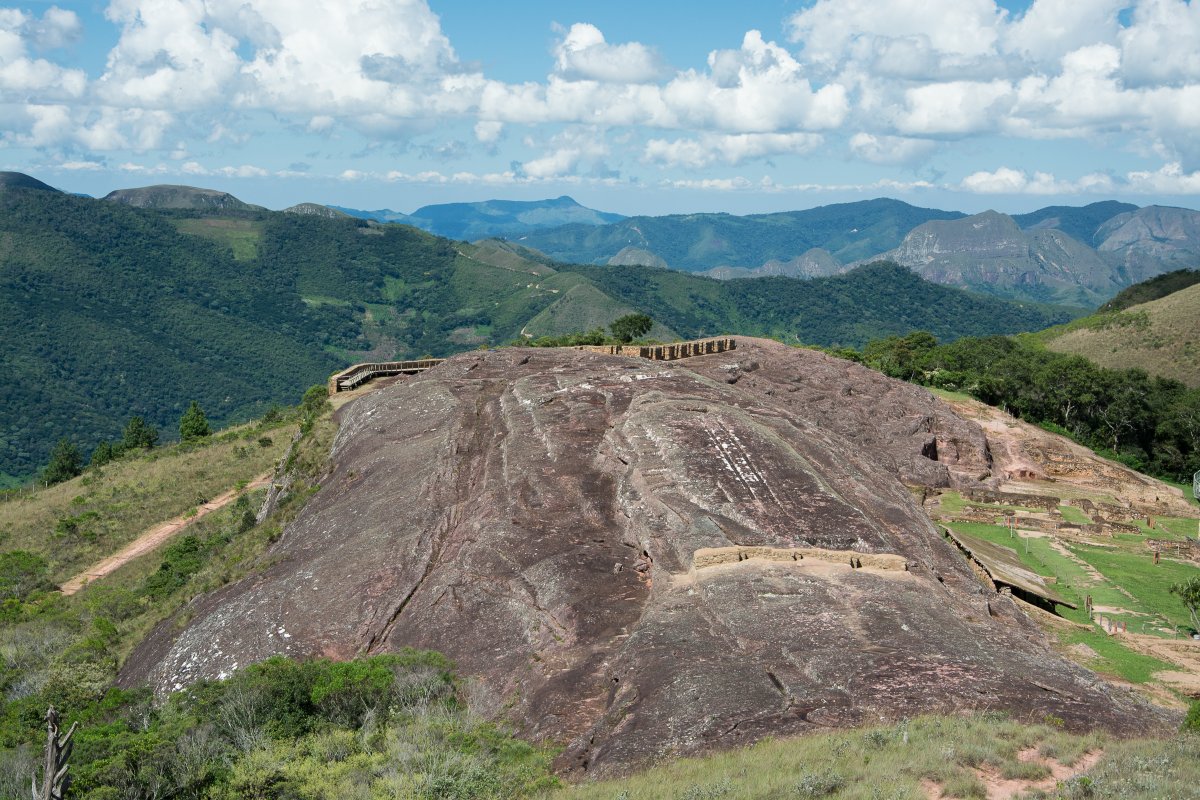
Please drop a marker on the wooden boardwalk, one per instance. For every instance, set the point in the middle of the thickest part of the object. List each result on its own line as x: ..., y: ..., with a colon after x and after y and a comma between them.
x: 355, y: 376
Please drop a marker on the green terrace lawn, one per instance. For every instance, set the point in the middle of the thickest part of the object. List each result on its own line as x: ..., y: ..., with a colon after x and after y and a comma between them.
x: 1074, y: 515
x: 954, y: 503
x: 1147, y: 583
x: 1074, y: 581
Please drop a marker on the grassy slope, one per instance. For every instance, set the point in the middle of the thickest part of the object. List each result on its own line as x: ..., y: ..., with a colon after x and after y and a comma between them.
x: 891, y: 762
x: 1161, y: 337
x: 75, y: 523
x: 1127, y: 579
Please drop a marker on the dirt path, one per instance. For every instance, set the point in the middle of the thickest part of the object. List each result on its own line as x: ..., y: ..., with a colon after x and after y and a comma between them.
x: 154, y: 537
x: 1001, y: 788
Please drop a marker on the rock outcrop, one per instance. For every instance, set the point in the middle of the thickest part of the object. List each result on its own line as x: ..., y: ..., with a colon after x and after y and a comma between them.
x: 1152, y: 240
x: 814, y: 263
x: 989, y: 252
x: 171, y: 196
x: 648, y: 559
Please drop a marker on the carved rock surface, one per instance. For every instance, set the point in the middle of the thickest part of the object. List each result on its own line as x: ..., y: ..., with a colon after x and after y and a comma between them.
x: 534, y: 514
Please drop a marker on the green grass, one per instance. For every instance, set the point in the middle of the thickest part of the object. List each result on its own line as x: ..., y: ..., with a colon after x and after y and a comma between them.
x: 76, y: 523
x: 1114, y: 658
x: 954, y: 503
x: 1174, y: 528
x: 242, y: 236
x: 1074, y: 515
x: 1146, y: 581
x: 1074, y: 583
x: 891, y: 762
x: 946, y: 394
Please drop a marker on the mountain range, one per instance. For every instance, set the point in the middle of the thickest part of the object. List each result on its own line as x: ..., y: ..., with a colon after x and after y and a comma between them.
x: 491, y: 218
x: 142, y: 302
x: 1059, y: 254
x: 1068, y: 255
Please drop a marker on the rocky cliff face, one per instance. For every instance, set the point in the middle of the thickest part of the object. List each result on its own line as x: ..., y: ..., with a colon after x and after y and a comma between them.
x: 648, y: 559
x: 1152, y: 240
x: 989, y: 252
x: 814, y: 263
x: 169, y: 196
x: 633, y: 256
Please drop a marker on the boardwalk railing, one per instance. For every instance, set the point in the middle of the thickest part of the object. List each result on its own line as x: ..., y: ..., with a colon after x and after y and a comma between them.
x: 359, y: 374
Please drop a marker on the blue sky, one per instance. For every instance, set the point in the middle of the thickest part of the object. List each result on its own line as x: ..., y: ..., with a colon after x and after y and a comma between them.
x: 636, y: 107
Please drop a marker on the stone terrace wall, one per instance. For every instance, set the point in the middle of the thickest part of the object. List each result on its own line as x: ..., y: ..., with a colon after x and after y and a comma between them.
x: 664, y: 352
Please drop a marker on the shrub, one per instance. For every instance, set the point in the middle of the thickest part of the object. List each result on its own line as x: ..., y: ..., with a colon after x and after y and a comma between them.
x: 21, y: 574
x: 65, y: 463
x: 630, y: 327
x: 1192, y: 721
x: 138, y: 435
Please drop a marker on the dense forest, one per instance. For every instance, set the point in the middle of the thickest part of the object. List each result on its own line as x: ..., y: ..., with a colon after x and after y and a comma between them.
x: 847, y: 310
x: 1151, y: 424
x: 111, y: 312
x: 1153, y: 289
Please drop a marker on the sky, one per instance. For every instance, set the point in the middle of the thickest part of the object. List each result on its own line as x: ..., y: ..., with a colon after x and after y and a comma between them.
x: 634, y: 107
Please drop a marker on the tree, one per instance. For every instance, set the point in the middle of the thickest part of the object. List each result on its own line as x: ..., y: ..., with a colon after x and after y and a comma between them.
x: 65, y: 463
x: 631, y: 326
x: 138, y: 434
x: 1189, y: 593
x: 104, y: 453
x: 193, y: 424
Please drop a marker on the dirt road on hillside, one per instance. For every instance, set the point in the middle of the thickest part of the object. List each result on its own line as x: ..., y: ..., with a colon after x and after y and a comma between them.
x: 154, y: 537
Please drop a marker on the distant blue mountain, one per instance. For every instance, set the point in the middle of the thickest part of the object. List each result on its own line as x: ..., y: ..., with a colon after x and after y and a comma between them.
x: 492, y: 218
x: 380, y: 215
x: 1081, y: 223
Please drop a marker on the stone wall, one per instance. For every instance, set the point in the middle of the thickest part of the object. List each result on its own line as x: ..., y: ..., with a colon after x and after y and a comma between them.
x: 664, y: 352
x: 1012, y: 499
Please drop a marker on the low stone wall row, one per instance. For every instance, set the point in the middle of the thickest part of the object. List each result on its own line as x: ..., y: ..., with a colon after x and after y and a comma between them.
x: 664, y: 352
x: 1188, y: 549
x: 1013, y: 499
x: 714, y: 556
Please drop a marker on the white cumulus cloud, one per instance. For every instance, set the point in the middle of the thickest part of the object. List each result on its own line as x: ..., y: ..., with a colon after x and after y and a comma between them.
x: 24, y: 77
x: 1012, y: 181
x: 583, y: 54
x: 728, y: 149
x: 880, y: 149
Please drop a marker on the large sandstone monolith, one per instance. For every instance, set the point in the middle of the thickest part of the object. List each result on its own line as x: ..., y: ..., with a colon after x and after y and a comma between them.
x: 536, y: 515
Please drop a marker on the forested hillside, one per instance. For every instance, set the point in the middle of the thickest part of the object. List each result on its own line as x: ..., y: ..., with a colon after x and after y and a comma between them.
x: 111, y: 311
x: 849, y: 310
x: 1153, y: 289
x: 1149, y: 423
x: 108, y: 312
